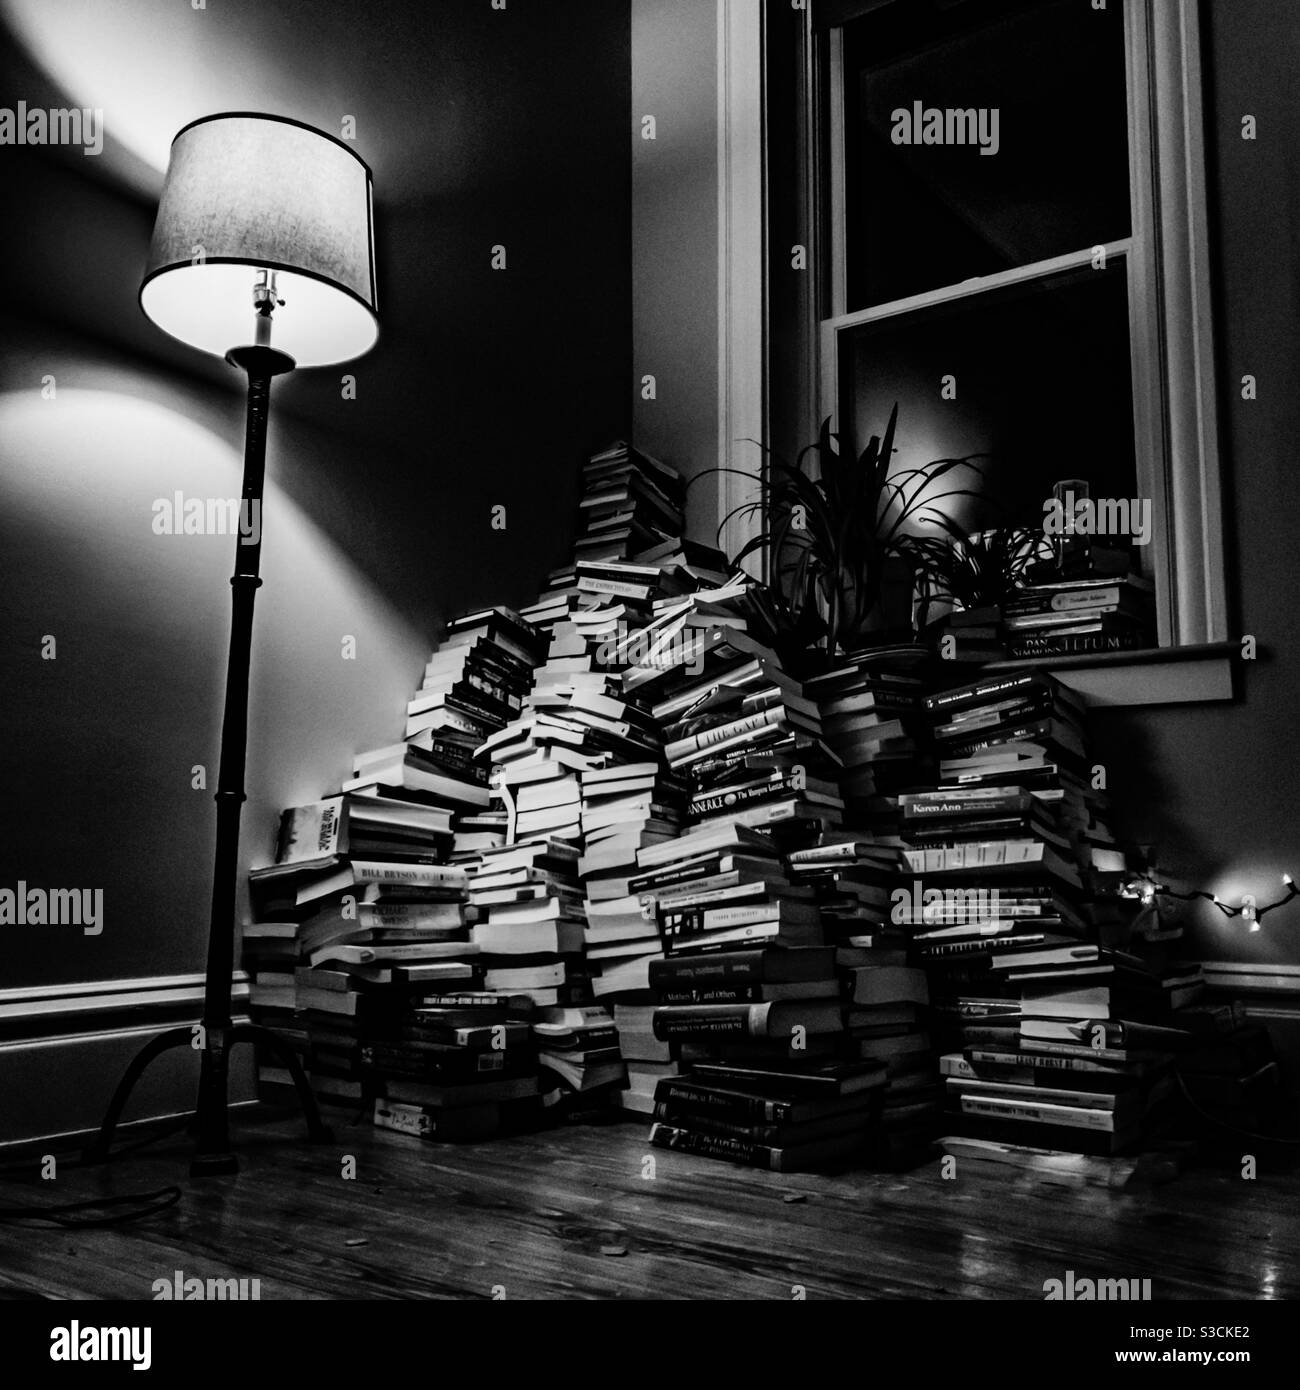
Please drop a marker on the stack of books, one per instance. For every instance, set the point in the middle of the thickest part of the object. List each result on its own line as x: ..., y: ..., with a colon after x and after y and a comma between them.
x: 649, y: 1059
x: 753, y: 1007
x: 1088, y: 1066
x: 853, y: 878
x: 889, y: 1006
x: 528, y: 928
x: 738, y: 731
x: 1073, y: 616
x: 377, y: 915
x: 874, y: 721
x: 630, y: 502
x: 579, y: 1056
x: 1005, y: 852
x: 473, y: 685
x: 758, y: 1029
x: 271, y: 956
x: 461, y: 1066
x: 972, y: 635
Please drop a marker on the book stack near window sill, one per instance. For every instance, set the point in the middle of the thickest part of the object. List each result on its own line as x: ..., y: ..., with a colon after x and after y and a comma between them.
x: 1103, y: 607
x: 1091, y: 602
x: 1003, y: 852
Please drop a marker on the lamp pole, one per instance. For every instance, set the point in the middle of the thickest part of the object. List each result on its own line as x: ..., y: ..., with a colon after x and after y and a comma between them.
x: 213, y: 1157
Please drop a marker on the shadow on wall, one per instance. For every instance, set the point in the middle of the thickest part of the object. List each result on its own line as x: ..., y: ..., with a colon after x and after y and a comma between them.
x: 116, y: 636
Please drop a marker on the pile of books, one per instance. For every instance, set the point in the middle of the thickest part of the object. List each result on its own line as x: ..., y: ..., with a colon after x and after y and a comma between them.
x: 630, y: 503
x: 377, y: 918
x: 873, y: 719
x: 530, y: 932
x: 972, y: 635
x: 758, y: 1029
x: 1069, y: 617
x: 1092, y: 1036
x: 1004, y: 853
x: 459, y: 1066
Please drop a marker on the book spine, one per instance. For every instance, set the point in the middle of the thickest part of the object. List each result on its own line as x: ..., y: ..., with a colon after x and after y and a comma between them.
x: 1079, y: 644
x: 664, y: 1136
x: 431, y: 875
x: 711, y: 1123
x: 710, y: 994
x: 723, y: 735
x: 740, y: 1021
x: 466, y: 1065
x: 589, y: 584
x: 755, y: 934
x: 742, y: 796
x: 1039, y: 1114
x: 1065, y: 600
x: 741, y: 1108
x: 981, y: 693
x: 663, y: 878
x: 689, y: 972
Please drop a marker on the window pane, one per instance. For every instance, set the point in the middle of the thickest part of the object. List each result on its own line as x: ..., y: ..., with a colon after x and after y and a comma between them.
x: 1040, y: 87
x: 1037, y: 378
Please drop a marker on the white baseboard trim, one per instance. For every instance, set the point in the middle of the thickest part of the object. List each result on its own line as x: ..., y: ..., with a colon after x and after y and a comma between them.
x: 82, y: 1002
x: 1253, y: 978
x: 64, y: 1047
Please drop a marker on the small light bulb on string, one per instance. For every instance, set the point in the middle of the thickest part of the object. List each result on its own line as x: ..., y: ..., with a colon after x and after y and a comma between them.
x: 1251, y: 913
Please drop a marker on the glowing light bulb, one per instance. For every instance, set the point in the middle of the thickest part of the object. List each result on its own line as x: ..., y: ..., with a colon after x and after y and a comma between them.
x: 1288, y: 880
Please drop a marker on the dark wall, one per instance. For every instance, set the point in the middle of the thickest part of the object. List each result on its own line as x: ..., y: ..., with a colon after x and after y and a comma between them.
x: 484, y: 127
x: 1215, y: 787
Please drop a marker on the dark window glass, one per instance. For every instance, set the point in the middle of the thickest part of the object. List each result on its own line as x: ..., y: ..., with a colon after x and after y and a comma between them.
x: 1041, y: 86
x: 1041, y: 379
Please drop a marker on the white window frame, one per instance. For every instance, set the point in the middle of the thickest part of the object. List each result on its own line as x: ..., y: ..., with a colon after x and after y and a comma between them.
x: 742, y: 269
x: 1167, y: 260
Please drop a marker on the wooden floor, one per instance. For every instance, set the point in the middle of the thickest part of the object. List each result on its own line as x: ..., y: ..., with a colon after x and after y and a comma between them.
x: 569, y: 1214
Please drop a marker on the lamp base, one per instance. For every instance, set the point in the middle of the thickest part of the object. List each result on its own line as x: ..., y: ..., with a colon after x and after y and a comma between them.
x: 214, y: 1157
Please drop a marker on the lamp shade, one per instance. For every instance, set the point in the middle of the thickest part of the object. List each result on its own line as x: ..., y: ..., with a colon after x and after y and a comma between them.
x: 247, y: 192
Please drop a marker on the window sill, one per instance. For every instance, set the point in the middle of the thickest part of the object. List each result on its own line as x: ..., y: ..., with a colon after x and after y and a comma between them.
x: 1160, y: 676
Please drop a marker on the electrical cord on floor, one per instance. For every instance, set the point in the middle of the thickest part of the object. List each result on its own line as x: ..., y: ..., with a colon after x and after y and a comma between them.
x: 142, y: 1204
x: 61, y: 1214
x: 1225, y: 1124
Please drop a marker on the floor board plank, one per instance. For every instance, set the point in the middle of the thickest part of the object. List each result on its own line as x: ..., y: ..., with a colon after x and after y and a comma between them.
x: 568, y: 1214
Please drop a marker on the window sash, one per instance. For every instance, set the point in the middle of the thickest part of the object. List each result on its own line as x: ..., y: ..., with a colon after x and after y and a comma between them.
x: 1171, y: 339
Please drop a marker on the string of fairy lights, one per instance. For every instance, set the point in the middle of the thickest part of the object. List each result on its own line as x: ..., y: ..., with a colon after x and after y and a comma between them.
x: 1248, y: 909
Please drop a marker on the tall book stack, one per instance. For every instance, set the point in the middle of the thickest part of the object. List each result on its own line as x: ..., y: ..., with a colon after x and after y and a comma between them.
x: 855, y: 883
x: 571, y: 726
x: 530, y: 933
x: 996, y: 851
x: 605, y: 613
x: 1003, y: 853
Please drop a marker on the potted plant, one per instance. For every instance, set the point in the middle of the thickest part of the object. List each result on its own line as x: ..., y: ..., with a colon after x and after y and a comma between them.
x: 971, y: 571
x: 836, y: 525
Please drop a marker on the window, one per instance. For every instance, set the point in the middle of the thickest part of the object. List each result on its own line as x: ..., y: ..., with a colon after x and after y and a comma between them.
x: 1013, y: 246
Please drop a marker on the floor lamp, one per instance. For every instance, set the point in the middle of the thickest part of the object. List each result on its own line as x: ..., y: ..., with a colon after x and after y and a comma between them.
x: 264, y: 231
